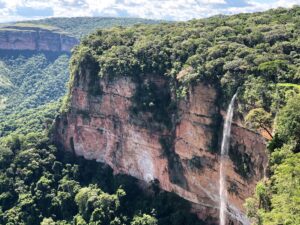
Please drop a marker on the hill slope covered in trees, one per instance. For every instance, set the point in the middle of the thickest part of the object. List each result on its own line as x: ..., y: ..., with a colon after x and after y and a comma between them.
x: 258, y: 53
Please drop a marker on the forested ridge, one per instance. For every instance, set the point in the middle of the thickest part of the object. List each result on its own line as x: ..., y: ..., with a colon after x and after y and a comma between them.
x: 81, y: 26
x: 258, y: 53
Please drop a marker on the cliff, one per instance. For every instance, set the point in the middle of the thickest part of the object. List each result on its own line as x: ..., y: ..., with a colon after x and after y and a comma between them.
x: 175, y: 143
x: 35, y: 38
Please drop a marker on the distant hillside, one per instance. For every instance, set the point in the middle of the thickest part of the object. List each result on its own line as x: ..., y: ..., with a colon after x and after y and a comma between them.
x: 34, y: 74
x: 81, y: 26
x: 28, y: 81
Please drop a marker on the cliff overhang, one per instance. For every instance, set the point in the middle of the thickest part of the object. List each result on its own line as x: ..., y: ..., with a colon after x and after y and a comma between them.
x: 174, y: 141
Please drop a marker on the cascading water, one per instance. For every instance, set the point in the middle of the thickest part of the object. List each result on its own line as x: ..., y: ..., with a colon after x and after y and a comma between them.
x: 223, y: 160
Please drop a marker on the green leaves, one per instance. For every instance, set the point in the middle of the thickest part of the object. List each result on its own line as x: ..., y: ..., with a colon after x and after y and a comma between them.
x: 285, y: 200
x: 259, y: 119
x: 273, y: 69
x: 119, y: 60
x: 39, y: 185
x: 277, y: 200
x: 288, y: 120
x: 144, y: 220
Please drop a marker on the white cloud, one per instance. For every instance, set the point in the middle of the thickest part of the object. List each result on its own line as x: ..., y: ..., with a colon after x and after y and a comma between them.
x: 154, y: 9
x: 285, y: 3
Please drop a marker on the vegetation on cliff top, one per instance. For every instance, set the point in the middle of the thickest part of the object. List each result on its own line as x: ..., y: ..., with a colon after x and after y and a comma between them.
x: 225, y: 50
x: 30, y: 27
x: 258, y: 53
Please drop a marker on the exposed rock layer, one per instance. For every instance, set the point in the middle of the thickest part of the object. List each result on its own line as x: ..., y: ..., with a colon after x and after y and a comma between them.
x: 35, y: 39
x: 103, y: 128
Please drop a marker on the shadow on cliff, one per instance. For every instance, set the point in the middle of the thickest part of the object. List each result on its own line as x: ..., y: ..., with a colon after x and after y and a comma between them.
x: 168, y: 208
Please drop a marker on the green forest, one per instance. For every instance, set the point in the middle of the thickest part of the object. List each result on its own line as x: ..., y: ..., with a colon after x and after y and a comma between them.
x: 257, y: 54
x: 42, y: 185
x: 31, y: 80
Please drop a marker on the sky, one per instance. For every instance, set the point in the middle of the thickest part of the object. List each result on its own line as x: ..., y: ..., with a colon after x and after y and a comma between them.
x: 17, y: 10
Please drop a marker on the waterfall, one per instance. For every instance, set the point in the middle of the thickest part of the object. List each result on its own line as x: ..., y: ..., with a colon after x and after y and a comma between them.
x: 223, y: 159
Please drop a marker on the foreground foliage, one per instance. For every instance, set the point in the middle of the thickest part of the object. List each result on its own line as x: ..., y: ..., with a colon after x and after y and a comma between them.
x: 277, y: 199
x: 41, y: 185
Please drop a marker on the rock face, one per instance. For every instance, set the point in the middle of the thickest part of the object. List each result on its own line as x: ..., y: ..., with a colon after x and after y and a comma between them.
x: 35, y: 39
x: 183, y: 158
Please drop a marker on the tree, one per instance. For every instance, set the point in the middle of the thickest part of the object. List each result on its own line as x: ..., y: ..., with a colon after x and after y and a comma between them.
x: 288, y: 120
x: 257, y: 93
x: 285, y: 200
x: 259, y: 119
x: 251, y: 206
x: 272, y: 70
x: 48, y: 221
x: 82, y: 200
x: 262, y: 192
x: 78, y: 220
x: 144, y: 219
x: 6, y: 156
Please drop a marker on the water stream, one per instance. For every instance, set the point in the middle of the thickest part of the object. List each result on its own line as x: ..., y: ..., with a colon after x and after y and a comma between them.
x: 223, y: 160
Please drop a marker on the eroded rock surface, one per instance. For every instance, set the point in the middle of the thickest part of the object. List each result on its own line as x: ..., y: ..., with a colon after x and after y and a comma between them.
x: 35, y: 39
x: 184, y: 158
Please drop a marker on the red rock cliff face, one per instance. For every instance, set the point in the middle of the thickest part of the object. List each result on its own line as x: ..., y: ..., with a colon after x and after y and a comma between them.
x: 35, y: 39
x: 103, y: 128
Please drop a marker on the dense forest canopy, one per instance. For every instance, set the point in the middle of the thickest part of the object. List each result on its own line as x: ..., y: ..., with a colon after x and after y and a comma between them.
x: 32, y: 80
x: 41, y: 185
x: 258, y: 53
x: 30, y: 86
x: 244, y: 50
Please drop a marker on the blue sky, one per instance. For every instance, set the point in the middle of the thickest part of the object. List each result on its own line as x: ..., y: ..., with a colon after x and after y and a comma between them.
x: 15, y: 10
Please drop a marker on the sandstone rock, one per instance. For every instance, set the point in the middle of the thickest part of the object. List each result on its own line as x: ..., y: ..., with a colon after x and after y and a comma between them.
x: 102, y: 128
x: 35, y: 39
